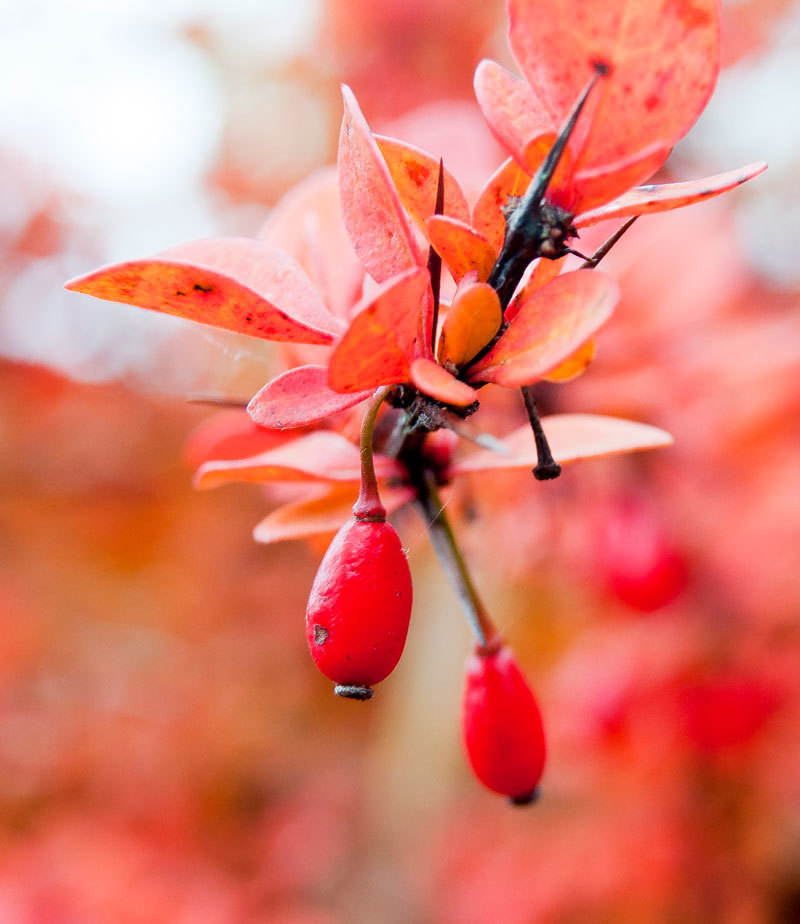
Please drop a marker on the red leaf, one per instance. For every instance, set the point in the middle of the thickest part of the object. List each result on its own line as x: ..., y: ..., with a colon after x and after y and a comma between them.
x: 668, y: 196
x: 514, y: 112
x: 320, y: 456
x: 228, y: 435
x: 416, y: 176
x: 550, y: 326
x: 433, y: 380
x: 664, y: 60
x: 307, y: 223
x: 462, y: 249
x: 571, y: 437
x: 234, y: 283
x: 299, y: 397
x: 323, y: 514
x: 378, y: 347
x: 597, y: 185
x: 371, y: 208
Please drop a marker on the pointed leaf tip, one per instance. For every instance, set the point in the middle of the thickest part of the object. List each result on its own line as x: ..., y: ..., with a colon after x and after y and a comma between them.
x: 237, y: 284
x: 298, y: 398
x: 373, y: 214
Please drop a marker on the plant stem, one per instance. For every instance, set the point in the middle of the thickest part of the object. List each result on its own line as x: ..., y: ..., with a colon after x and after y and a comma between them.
x: 451, y: 559
x: 369, y: 506
x: 546, y: 465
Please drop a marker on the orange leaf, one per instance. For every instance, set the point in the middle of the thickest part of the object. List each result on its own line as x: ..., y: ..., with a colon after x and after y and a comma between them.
x: 487, y: 217
x: 378, y: 347
x: 235, y: 283
x: 322, y: 514
x: 416, y: 175
x: 474, y: 318
x: 433, y: 380
x: 571, y: 437
x: 664, y: 59
x: 371, y: 208
x: 542, y: 273
x: 550, y: 325
x: 573, y: 365
x: 320, y: 456
x: 668, y: 196
x: 299, y: 397
x: 462, y: 249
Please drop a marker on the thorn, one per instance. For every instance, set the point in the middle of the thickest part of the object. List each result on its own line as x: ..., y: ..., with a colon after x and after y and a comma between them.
x: 434, y: 260
x: 218, y: 401
x: 604, y: 248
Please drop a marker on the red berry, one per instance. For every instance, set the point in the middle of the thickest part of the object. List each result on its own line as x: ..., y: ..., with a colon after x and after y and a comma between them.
x: 360, y: 604
x: 640, y: 563
x: 503, y: 730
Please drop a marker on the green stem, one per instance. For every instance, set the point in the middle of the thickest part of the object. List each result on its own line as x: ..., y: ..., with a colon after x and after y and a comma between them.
x: 369, y: 506
x: 451, y: 559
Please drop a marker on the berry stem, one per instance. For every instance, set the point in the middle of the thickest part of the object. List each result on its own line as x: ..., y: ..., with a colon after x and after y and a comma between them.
x: 546, y: 466
x: 368, y: 506
x: 452, y: 561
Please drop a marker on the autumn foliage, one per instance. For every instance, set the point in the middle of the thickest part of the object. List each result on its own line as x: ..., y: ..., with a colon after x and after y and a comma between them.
x: 436, y: 340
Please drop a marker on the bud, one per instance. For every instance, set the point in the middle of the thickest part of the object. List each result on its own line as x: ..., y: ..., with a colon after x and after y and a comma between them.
x: 359, y: 608
x: 503, y: 731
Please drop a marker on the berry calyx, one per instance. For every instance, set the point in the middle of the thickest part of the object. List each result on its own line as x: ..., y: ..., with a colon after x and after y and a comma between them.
x: 360, y: 606
x: 502, y: 725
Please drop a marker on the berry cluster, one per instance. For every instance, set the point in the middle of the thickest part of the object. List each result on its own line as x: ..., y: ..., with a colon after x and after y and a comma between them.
x: 608, y: 89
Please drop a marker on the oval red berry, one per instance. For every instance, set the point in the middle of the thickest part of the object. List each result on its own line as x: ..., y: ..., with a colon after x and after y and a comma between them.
x: 360, y: 605
x: 502, y: 728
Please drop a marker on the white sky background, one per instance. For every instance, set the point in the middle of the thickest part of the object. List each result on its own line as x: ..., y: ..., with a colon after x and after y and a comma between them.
x: 124, y: 113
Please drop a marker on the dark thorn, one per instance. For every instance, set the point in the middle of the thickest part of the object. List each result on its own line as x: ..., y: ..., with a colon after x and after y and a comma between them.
x: 528, y: 226
x: 528, y: 798
x: 546, y: 467
x: 603, y: 249
x: 434, y: 260
x: 218, y: 401
x: 575, y: 253
x: 548, y: 167
x: 348, y: 691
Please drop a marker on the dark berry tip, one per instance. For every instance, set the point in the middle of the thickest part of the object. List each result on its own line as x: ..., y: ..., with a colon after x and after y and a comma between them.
x: 546, y: 471
x: 353, y: 691
x: 601, y: 67
x: 528, y: 798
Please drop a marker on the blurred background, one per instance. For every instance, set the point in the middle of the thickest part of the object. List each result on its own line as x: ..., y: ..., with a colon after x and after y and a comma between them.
x: 168, y: 751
